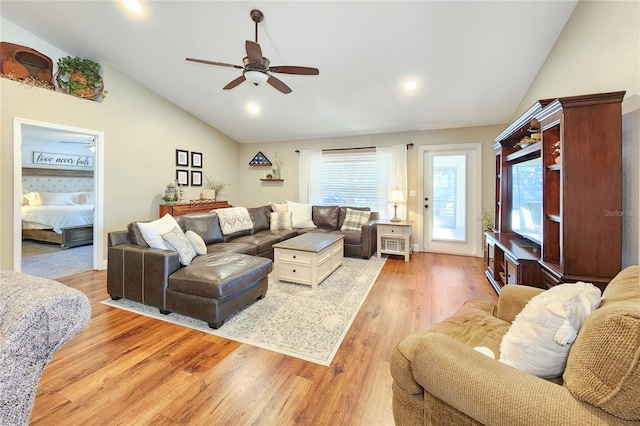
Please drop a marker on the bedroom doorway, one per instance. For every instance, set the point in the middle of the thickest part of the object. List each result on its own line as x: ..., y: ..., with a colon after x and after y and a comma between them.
x: 85, y: 240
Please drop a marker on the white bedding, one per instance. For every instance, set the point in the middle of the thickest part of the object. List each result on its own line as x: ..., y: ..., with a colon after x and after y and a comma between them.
x: 58, y: 217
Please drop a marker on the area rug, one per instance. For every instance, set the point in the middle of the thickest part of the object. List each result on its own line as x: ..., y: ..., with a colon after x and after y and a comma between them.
x: 292, y: 319
x: 52, y: 262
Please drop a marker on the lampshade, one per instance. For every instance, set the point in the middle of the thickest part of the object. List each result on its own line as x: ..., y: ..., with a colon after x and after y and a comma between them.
x: 256, y: 77
x: 396, y: 196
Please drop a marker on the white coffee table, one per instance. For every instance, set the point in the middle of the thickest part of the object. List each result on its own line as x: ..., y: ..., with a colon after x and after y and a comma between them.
x: 308, y: 258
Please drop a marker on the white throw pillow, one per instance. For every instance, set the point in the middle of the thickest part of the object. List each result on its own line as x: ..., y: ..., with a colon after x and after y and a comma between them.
x: 279, y: 208
x: 354, y: 220
x: 154, y: 230
x: 197, y: 242
x: 280, y: 221
x: 300, y: 215
x: 540, y: 337
x: 177, y: 241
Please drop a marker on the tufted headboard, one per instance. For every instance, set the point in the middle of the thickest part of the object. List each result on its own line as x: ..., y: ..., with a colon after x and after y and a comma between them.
x: 56, y: 180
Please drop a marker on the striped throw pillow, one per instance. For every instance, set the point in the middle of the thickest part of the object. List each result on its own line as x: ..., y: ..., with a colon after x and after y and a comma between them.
x: 281, y: 221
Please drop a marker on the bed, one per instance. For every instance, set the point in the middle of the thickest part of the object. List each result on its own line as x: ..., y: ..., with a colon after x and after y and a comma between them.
x: 57, y: 206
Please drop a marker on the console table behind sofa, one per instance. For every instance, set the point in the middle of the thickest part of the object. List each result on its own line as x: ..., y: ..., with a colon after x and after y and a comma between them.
x: 178, y: 209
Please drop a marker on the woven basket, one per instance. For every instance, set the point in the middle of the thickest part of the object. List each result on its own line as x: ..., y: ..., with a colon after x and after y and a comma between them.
x: 88, y: 93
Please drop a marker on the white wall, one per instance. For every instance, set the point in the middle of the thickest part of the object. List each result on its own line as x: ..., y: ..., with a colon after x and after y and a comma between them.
x: 599, y: 51
x: 142, y: 132
x: 252, y: 192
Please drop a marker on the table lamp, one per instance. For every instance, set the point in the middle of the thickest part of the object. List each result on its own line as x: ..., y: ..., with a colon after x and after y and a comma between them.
x: 396, y: 196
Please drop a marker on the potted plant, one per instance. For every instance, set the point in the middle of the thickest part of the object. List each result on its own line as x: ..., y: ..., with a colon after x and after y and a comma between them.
x: 80, y: 77
x: 217, y: 185
x: 487, y: 225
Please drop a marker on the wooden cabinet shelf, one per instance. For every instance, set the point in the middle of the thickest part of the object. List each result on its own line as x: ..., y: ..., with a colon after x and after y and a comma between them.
x: 511, y: 259
x: 579, y: 242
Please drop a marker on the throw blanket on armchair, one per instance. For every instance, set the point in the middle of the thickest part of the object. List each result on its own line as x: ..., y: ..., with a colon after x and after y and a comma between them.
x: 234, y: 219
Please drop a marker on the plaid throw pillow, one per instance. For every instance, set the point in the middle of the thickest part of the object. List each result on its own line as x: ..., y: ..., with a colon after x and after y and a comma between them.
x: 354, y: 219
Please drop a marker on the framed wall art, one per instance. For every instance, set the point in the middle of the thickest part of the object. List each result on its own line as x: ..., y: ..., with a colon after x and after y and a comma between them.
x: 196, y: 178
x: 182, y: 158
x: 196, y: 159
x: 182, y: 176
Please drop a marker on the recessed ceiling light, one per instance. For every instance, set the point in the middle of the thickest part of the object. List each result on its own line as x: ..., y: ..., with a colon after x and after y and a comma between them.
x: 253, y: 109
x: 133, y: 5
x: 411, y: 85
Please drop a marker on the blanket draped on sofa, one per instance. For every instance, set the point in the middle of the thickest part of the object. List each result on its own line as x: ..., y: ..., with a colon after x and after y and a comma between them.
x: 234, y: 219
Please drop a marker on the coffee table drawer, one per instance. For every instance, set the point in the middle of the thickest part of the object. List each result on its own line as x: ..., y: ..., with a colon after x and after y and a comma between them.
x: 297, y: 273
x: 293, y: 256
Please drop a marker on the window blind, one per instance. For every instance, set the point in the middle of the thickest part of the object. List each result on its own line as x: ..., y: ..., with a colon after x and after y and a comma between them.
x: 348, y: 178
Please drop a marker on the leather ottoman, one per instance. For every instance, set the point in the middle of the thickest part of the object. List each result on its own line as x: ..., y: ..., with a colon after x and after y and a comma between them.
x: 217, y: 285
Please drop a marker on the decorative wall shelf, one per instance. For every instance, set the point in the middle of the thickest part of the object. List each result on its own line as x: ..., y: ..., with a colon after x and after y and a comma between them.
x: 272, y: 180
x: 260, y: 160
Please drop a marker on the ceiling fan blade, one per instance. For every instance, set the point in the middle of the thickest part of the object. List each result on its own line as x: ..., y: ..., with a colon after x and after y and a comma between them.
x: 254, y: 52
x: 295, y: 70
x: 235, y: 82
x: 220, y: 64
x: 279, y: 85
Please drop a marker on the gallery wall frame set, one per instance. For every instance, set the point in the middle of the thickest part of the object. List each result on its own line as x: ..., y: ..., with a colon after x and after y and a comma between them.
x: 182, y: 160
x: 182, y: 176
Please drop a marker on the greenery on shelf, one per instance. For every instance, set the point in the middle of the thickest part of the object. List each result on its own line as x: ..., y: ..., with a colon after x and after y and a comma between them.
x: 170, y: 199
x: 80, y: 77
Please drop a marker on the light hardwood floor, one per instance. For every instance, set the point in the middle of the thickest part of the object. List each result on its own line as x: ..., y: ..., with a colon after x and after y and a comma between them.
x: 126, y: 369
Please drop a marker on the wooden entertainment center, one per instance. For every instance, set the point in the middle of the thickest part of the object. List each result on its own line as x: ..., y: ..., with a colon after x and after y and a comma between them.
x: 578, y: 231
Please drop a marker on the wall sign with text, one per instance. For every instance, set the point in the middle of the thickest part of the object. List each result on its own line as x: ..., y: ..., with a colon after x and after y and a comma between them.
x: 62, y: 159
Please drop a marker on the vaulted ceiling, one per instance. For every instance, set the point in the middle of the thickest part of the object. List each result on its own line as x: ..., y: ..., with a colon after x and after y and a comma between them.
x: 473, y: 61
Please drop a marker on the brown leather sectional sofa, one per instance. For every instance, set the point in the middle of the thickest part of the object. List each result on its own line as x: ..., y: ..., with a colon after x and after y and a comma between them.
x: 232, y: 274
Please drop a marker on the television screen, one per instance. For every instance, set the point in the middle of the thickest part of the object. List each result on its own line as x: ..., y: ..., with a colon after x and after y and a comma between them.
x: 526, y: 199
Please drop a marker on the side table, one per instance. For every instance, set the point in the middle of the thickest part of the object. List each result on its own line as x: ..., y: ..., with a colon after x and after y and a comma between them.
x: 394, y: 237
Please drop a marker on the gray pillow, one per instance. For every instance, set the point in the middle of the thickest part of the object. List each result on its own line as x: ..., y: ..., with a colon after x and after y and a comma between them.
x: 179, y: 242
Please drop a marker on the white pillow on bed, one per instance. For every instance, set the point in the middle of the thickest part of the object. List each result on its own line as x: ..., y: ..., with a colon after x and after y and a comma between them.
x: 50, y: 198
x: 56, y: 199
x: 83, y: 197
x: 33, y: 198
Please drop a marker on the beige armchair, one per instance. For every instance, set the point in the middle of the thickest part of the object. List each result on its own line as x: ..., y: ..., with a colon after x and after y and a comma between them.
x: 439, y: 379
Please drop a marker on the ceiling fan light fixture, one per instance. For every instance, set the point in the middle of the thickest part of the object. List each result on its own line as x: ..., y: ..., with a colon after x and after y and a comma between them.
x: 256, y: 77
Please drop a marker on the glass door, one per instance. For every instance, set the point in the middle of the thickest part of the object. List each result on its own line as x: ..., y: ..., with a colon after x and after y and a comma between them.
x: 452, y: 191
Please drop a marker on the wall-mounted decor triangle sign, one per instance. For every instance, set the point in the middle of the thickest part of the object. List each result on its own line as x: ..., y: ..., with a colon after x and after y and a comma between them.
x: 260, y: 160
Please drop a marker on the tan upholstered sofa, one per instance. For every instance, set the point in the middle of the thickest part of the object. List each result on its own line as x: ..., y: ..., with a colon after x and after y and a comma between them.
x: 439, y: 379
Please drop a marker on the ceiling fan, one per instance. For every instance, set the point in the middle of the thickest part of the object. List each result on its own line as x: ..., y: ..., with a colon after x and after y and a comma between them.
x: 256, y: 67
